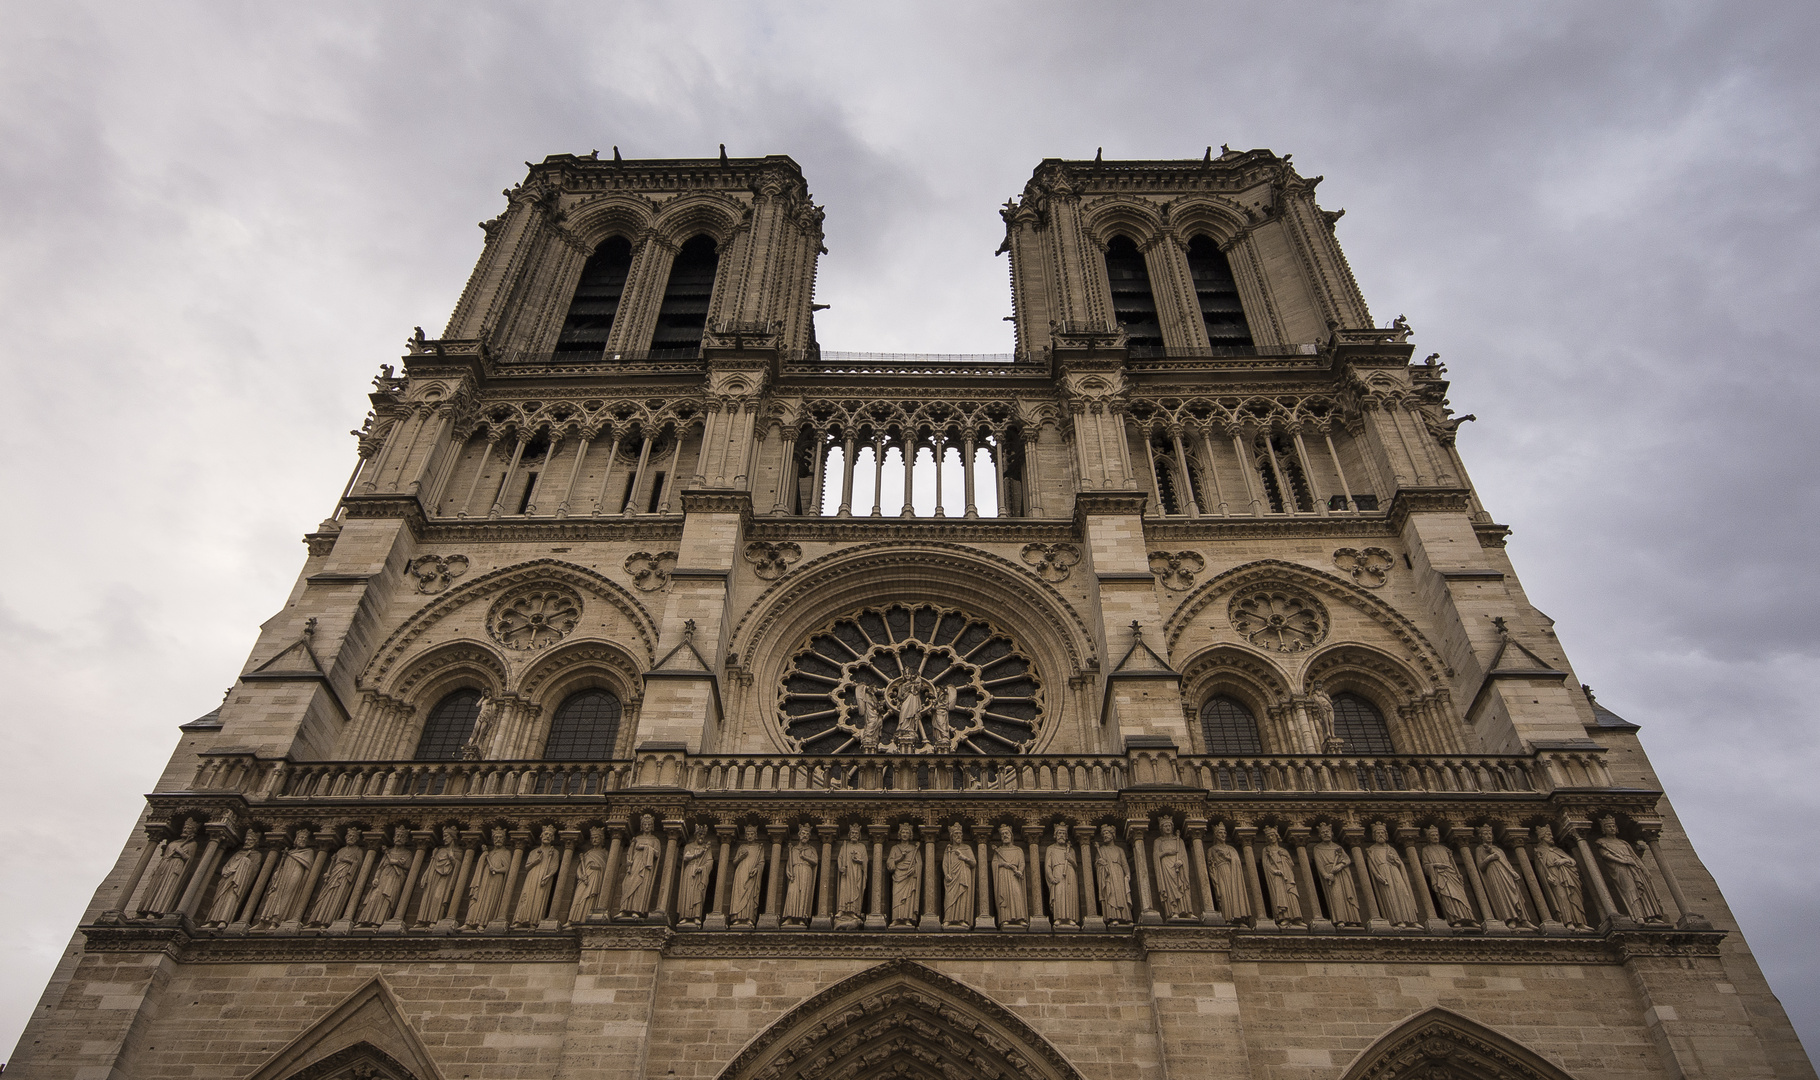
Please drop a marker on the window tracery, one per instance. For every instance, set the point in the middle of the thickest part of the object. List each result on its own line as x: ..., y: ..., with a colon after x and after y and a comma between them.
x: 1278, y: 619
x: 585, y: 727
x: 450, y: 725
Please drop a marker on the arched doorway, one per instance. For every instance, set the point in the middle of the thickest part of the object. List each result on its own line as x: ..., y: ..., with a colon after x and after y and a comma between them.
x: 1439, y: 1044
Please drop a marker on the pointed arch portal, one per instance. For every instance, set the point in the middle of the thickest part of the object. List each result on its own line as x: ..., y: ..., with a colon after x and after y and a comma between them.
x: 899, y: 1019
x: 1440, y: 1044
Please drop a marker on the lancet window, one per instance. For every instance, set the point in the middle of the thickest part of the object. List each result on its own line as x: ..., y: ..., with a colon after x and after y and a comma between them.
x: 1227, y: 727
x: 1217, y: 294
x: 585, y: 727
x: 683, y: 315
x: 1285, y: 484
x: 1133, y: 303
x: 1359, y: 724
x: 596, y: 301
x: 449, y: 727
x: 859, y: 470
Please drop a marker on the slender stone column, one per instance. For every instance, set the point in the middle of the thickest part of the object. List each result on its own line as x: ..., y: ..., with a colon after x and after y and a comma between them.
x: 394, y: 922
x: 1001, y: 480
x: 1197, y: 848
x: 709, y: 422
x: 982, y: 892
x: 1339, y: 470
x: 568, y: 490
x: 846, y: 476
x: 1148, y: 915
x: 1686, y: 920
x: 1315, y: 494
x: 1213, y: 471
x: 563, y: 895
x: 499, y: 497
x: 1091, y: 920
x: 1156, y: 479
x: 201, y: 875
x: 543, y: 474
x: 606, y: 474
x: 451, y: 916
x: 941, y: 448
x: 318, y: 864
x: 824, y: 896
x: 717, y: 919
x: 1246, y: 835
x: 1297, y: 835
x: 666, y: 885
x: 747, y: 429
x: 1418, y: 880
x: 878, y: 474
x: 769, y: 918
x: 821, y: 468
x: 1033, y: 877
x: 786, y: 471
x: 480, y: 470
x: 1181, y: 466
x: 249, y: 904
x: 932, y: 901
x: 1589, y: 867
x: 1116, y: 420
x: 967, y: 481
x: 1368, y: 895
x: 508, y: 903
x: 909, y: 452
x: 1033, y: 487
x: 1285, y: 489
x: 671, y: 480
x: 1246, y: 469
x: 638, y: 477
x: 1517, y: 840
x: 876, y: 919
x: 155, y: 834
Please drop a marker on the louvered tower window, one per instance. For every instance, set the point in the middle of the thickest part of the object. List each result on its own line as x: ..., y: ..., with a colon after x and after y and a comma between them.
x: 1227, y: 727
x: 585, y: 728
x: 1217, y: 293
x: 1360, y: 725
x: 449, y: 727
x: 603, y: 282
x: 1132, y: 301
x: 684, y: 313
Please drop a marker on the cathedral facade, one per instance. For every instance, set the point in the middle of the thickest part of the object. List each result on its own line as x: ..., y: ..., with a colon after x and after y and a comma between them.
x: 668, y: 697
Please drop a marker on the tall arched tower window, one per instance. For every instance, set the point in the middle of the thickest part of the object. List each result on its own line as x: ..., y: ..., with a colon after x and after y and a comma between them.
x: 449, y: 727
x: 684, y: 313
x: 1217, y: 294
x: 1359, y: 723
x: 1227, y: 727
x: 585, y: 727
x: 596, y: 302
x: 1132, y: 301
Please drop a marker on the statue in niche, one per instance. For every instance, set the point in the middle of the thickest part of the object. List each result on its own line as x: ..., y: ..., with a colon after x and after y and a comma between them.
x: 1334, y: 867
x: 1386, y: 867
x: 872, y: 718
x: 909, y: 732
x: 1061, y: 869
x: 487, y: 893
x: 1228, y: 874
x: 640, y: 877
x: 1444, y: 877
x: 748, y: 874
x: 1278, y: 867
x: 1629, y: 878
x: 905, y: 862
x: 388, y: 881
x: 958, y: 866
x: 1561, y: 877
x: 1172, y: 882
x: 287, y: 881
x: 539, y: 869
x: 1008, y: 880
x: 1114, y: 873
x: 692, y: 891
x: 590, y: 877
x: 1503, y: 888
x: 237, y: 876
x: 799, y: 877
x: 850, y: 891
x: 164, y: 889
x: 337, y: 882
x: 439, y: 877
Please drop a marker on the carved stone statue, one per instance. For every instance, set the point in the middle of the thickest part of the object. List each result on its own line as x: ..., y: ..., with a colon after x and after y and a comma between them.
x: 487, y: 892
x: 1386, y: 867
x: 1629, y: 878
x: 1061, y: 869
x: 850, y: 888
x: 1278, y: 869
x: 590, y: 877
x: 1503, y: 888
x: 1172, y: 883
x: 164, y: 888
x: 337, y: 882
x: 909, y: 732
x: 287, y: 881
x: 748, y: 874
x: 1008, y: 880
x: 439, y: 877
x: 1228, y: 874
x: 640, y: 878
x: 1334, y: 867
x: 1561, y: 877
x: 1114, y: 873
x: 540, y: 867
x: 958, y: 865
x: 941, y: 725
x: 237, y: 876
x: 905, y: 862
x: 1444, y: 877
x: 872, y: 718
x: 388, y: 881
x: 692, y: 891
x: 799, y: 876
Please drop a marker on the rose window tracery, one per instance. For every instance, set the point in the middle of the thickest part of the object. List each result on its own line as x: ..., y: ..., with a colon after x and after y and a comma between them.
x: 1278, y: 619
x: 906, y: 678
x: 534, y: 618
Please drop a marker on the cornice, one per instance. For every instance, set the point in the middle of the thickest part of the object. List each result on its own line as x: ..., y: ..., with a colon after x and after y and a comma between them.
x: 576, y: 530
x: 1210, y: 529
x: 1426, y: 500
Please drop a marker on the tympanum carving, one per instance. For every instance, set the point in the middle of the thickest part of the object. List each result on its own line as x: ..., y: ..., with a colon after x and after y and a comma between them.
x: 1369, y: 567
x: 432, y: 573
x: 535, y: 617
x: 1278, y: 619
x: 1052, y: 562
x: 1176, y: 569
x: 651, y: 572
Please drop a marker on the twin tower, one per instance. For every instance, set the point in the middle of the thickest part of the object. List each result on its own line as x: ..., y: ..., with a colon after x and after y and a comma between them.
x: 670, y: 696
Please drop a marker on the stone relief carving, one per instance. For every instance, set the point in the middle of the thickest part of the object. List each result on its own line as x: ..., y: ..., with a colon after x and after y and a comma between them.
x: 432, y: 573
x: 539, y: 879
x: 590, y: 877
x: 905, y: 865
x: 640, y: 877
x: 1387, y: 868
x: 337, y: 882
x: 1114, y: 873
x: 162, y: 890
x: 748, y: 871
x: 1278, y: 619
x: 439, y: 877
x: 1176, y: 569
x: 388, y: 881
x: 651, y: 572
x: 234, y: 881
x: 692, y: 891
x: 1560, y: 875
x: 1629, y: 878
x: 535, y: 617
x: 1369, y: 567
x: 1228, y: 875
x: 771, y: 561
x: 1444, y: 878
x: 1503, y: 886
x: 287, y: 882
x: 1334, y: 868
x: 487, y: 894
x: 1277, y: 867
x: 1052, y: 562
x: 958, y: 866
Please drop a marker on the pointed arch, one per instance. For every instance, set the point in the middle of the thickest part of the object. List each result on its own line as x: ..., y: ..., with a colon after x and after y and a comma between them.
x: 613, y: 214
x: 1107, y: 217
x: 1440, y: 1043
x: 367, y: 1030
x: 716, y: 215
x: 900, y: 1018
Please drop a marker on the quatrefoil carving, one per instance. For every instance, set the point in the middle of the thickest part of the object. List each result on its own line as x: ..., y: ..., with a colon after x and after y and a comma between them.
x: 1370, y: 567
x: 651, y: 573
x: 1052, y: 561
x: 1176, y: 569
x: 770, y: 561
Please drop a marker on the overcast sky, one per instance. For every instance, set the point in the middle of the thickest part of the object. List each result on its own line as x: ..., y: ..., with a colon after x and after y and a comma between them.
x: 217, y: 220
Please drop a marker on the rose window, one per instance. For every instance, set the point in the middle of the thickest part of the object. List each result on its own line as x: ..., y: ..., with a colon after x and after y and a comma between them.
x: 1278, y: 620
x: 535, y: 618
x: 910, y: 679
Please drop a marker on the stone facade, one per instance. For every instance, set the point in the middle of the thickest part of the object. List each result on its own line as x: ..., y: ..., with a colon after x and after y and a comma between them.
x: 623, y: 722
